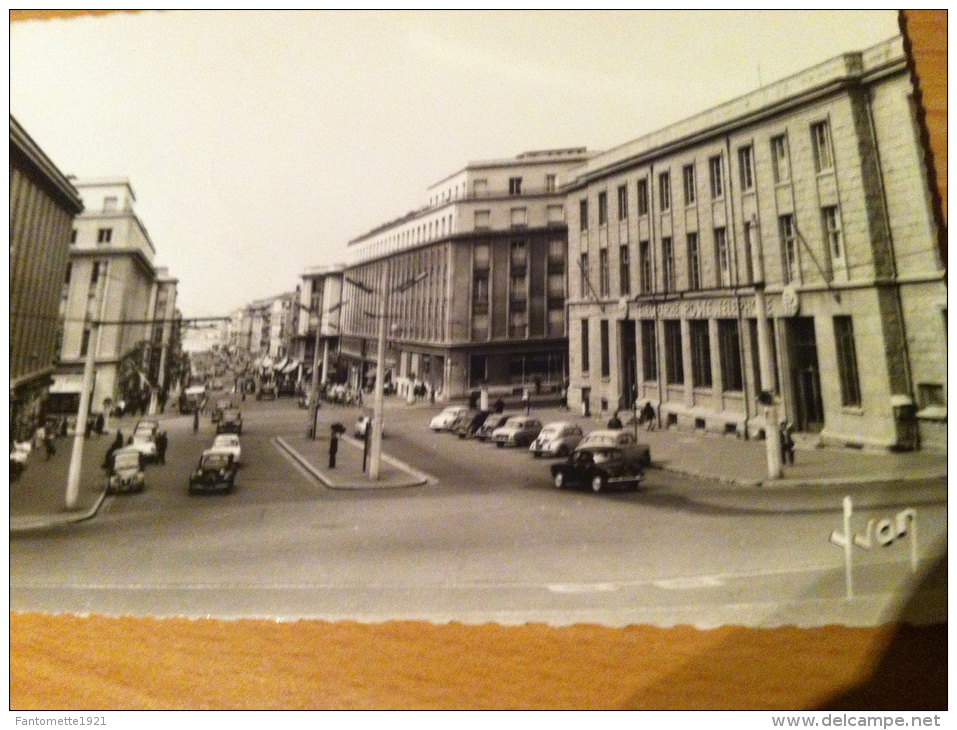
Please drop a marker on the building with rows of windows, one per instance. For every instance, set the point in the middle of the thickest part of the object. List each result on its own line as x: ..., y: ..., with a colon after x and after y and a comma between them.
x: 475, y: 283
x: 813, y: 188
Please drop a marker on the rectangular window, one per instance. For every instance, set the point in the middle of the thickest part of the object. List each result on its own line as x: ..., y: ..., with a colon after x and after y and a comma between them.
x: 585, y: 347
x: 85, y: 344
x: 715, y: 174
x: 722, y: 257
x: 847, y: 361
x: 583, y: 214
x: 746, y: 166
x: 649, y: 350
x: 729, y: 343
x: 779, y: 158
x: 624, y: 273
x: 931, y: 395
x: 674, y: 362
x: 687, y: 175
x: 480, y: 294
x: 519, y: 217
x: 643, y: 196
x: 832, y: 232
x: 69, y: 272
x: 482, y: 219
x: 694, y: 262
x: 668, y: 264
x: 788, y: 248
x: 555, y: 214
x: 644, y: 264
x: 550, y: 184
x: 603, y: 272
x: 515, y: 186
x: 821, y: 142
x: 480, y: 188
x: 518, y: 257
x: 622, y: 202
x: 583, y: 270
x: 104, y: 235
x: 605, y: 350
x: 700, y: 353
x: 664, y: 191
x: 94, y: 275
x: 73, y: 236
x: 602, y: 208
x: 749, y: 250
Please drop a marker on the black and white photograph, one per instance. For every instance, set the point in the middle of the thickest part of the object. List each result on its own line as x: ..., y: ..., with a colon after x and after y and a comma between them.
x: 475, y: 360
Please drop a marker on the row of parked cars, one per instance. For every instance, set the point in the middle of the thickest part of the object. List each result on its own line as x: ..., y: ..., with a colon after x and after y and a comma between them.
x: 599, y: 459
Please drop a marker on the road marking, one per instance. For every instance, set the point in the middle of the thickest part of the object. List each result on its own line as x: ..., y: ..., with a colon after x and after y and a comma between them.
x: 680, y: 584
x: 582, y: 587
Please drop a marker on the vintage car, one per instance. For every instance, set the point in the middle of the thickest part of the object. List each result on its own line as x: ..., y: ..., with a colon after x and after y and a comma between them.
x: 216, y: 413
x: 444, y: 421
x: 143, y: 440
x: 229, y: 443
x: 624, y: 440
x: 598, y: 467
x: 493, y: 421
x: 468, y: 424
x: 216, y: 472
x: 267, y: 391
x: 126, y: 473
x: 231, y: 422
x: 517, y: 431
x: 558, y: 438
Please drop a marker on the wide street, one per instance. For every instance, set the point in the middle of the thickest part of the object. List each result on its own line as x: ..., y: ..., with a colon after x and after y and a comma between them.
x: 487, y: 539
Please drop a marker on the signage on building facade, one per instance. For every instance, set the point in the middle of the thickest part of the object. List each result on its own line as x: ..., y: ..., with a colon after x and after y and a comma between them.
x: 724, y: 308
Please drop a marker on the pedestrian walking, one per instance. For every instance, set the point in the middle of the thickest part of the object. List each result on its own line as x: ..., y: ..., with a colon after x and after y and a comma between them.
x: 787, y: 443
x: 98, y: 424
x: 648, y: 415
x: 499, y: 405
x: 563, y: 402
x: 527, y: 401
x: 333, y: 448
x: 162, y: 442
x: 114, y: 447
x: 196, y: 420
x: 614, y: 422
x: 48, y: 443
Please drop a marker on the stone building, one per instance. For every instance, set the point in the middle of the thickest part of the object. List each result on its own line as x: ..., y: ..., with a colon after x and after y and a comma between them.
x: 475, y: 283
x: 813, y: 189
x: 43, y: 203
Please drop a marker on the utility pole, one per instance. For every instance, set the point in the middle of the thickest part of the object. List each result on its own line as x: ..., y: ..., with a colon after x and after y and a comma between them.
x: 771, y: 437
x: 378, y: 398
x: 314, y: 396
x: 79, y: 437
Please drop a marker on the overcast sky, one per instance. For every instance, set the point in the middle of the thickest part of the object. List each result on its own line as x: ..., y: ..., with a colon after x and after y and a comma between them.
x: 259, y: 143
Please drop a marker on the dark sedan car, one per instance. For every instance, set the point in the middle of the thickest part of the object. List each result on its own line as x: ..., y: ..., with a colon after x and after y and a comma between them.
x: 598, y: 467
x: 493, y: 421
x: 468, y: 424
x: 230, y: 422
x: 216, y: 473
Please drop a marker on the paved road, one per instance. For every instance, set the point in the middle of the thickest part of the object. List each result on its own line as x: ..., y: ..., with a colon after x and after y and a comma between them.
x: 489, y: 540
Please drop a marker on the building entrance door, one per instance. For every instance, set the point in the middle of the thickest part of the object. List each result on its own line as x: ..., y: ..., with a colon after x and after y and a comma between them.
x: 629, y: 364
x: 805, y: 375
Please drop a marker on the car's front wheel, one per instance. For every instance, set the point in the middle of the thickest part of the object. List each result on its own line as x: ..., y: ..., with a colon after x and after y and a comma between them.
x: 559, y: 480
x: 597, y: 483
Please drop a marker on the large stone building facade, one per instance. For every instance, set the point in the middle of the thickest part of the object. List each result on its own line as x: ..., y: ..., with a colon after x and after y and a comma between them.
x: 43, y: 204
x: 812, y: 188
x: 114, y: 300
x: 474, y: 283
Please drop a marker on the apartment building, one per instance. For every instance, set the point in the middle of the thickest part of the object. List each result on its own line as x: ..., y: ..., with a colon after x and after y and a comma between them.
x: 43, y: 203
x: 472, y: 285
x: 812, y: 189
x: 114, y: 299
x: 316, y: 321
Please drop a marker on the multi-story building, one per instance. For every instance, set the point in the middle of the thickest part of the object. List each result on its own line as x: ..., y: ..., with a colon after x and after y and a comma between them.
x: 316, y: 314
x: 114, y: 299
x: 475, y: 283
x: 43, y: 203
x: 812, y: 188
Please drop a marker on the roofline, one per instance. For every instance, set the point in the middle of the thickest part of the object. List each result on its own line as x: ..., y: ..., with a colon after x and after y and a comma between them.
x: 43, y: 165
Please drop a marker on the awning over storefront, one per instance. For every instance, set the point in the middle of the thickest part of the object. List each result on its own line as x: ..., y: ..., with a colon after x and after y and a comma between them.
x: 67, y: 384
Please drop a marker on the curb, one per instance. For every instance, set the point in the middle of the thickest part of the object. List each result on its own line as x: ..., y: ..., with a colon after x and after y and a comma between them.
x: 31, y: 524
x: 785, y: 483
x: 418, y: 478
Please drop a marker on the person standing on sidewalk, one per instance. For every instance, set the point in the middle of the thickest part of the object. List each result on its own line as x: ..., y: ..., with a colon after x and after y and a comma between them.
x: 333, y: 448
x: 162, y: 442
x: 196, y: 419
x: 527, y: 401
x: 787, y: 443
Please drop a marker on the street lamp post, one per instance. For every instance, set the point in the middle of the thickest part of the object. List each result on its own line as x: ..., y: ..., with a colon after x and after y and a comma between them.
x: 771, y: 439
x: 79, y: 437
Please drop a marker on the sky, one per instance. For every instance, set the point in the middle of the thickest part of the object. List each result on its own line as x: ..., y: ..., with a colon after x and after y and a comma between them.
x: 258, y: 143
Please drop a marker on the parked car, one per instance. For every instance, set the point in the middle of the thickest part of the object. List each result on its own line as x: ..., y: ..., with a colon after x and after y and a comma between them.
x: 493, y: 421
x: 624, y: 440
x: 216, y: 413
x: 216, y: 472
x: 444, y: 421
x: 147, y: 424
x: 229, y: 443
x: 267, y: 391
x: 517, y: 431
x: 126, y: 473
x: 557, y: 439
x: 598, y: 467
x: 468, y: 424
x: 231, y: 422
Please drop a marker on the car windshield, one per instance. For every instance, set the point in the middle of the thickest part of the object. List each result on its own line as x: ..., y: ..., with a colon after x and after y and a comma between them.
x: 128, y: 460
x: 551, y: 430
x: 225, y: 441
x: 142, y: 437
x: 602, y: 455
x: 514, y: 423
x: 231, y: 413
x: 215, y: 461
